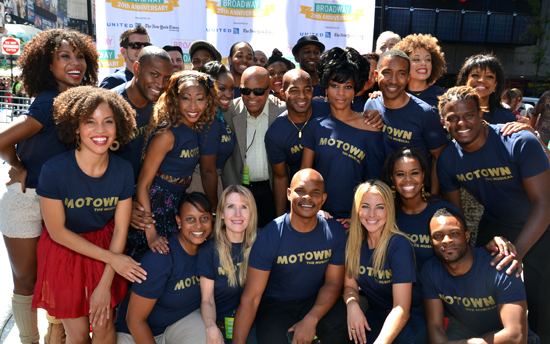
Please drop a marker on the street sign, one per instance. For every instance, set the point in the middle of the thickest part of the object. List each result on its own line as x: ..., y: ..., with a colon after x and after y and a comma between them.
x: 11, y: 46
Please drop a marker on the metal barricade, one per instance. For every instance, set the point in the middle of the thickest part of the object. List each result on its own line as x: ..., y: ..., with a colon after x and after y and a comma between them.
x: 11, y: 106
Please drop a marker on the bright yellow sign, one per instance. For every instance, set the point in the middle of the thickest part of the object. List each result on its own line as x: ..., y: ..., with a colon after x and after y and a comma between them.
x: 240, y: 8
x: 145, y: 5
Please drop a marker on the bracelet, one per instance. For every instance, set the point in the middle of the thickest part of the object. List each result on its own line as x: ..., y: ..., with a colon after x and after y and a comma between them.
x: 350, y: 299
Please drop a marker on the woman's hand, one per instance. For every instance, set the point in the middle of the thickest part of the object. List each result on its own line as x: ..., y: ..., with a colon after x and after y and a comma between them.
x: 18, y: 175
x: 325, y: 214
x: 344, y: 222
x: 157, y: 243
x: 214, y: 335
x: 100, y: 305
x: 128, y: 268
x: 357, y: 323
x: 140, y: 218
x: 504, y: 253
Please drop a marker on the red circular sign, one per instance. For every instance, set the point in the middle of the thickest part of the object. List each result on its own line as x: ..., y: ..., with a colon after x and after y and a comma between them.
x: 10, y: 46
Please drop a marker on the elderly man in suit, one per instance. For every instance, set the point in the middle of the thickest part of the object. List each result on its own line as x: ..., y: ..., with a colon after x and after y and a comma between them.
x: 249, y: 117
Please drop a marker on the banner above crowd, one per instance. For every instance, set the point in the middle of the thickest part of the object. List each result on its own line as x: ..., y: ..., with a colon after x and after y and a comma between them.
x: 266, y: 24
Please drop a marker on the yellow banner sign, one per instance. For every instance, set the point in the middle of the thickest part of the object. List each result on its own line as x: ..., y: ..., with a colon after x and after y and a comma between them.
x: 332, y: 13
x: 145, y: 5
x: 239, y: 8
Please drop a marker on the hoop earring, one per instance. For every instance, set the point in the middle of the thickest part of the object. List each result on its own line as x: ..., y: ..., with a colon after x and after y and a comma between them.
x: 425, y: 194
x: 114, y: 146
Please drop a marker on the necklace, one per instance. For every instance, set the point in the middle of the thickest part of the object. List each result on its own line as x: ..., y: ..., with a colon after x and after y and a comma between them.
x: 298, y: 128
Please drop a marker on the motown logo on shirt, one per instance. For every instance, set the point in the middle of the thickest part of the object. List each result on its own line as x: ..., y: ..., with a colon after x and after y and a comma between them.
x: 139, y: 132
x: 347, y: 149
x: 98, y: 204
x: 474, y: 304
x: 399, y: 135
x: 308, y: 257
x: 490, y: 174
x: 419, y: 240
x: 383, y: 276
x: 222, y: 272
x: 187, y: 282
x: 189, y: 153
x: 296, y: 149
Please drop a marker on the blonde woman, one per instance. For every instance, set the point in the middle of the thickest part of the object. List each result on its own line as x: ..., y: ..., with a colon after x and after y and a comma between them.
x: 223, y: 262
x: 380, y: 260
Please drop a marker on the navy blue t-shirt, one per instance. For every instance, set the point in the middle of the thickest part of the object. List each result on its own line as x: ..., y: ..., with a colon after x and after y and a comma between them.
x: 89, y: 202
x: 217, y: 139
x: 345, y: 156
x: 173, y: 281
x: 494, y: 175
x: 181, y: 160
x: 399, y: 267
x: 297, y: 261
x: 118, y: 77
x: 430, y: 95
x: 227, y: 298
x: 132, y: 151
x: 417, y: 228
x: 499, y: 115
x: 39, y: 148
x: 283, y: 144
x: 471, y: 301
x: 415, y: 125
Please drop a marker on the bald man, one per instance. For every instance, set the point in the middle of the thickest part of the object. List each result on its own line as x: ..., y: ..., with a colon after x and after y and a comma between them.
x: 249, y: 117
x: 296, y: 270
x: 283, y: 139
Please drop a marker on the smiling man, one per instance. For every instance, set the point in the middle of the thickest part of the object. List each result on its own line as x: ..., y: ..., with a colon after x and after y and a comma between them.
x: 484, y: 305
x: 409, y: 121
x: 283, y: 139
x: 131, y: 43
x: 510, y: 177
x: 307, y: 52
x: 296, y: 273
x: 249, y: 117
x: 151, y: 73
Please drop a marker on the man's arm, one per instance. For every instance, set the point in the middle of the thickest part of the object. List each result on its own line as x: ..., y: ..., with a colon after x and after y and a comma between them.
x: 454, y: 198
x: 434, y: 321
x: 280, y: 184
x: 538, y: 220
x: 514, y: 322
x: 304, y: 330
x: 308, y: 157
x: 434, y: 187
x: 256, y: 281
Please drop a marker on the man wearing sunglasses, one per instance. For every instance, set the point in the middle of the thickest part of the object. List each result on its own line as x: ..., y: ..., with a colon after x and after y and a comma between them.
x: 249, y: 117
x: 131, y: 43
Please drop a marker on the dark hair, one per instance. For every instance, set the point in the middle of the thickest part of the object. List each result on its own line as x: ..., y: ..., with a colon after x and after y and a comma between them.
x: 341, y: 65
x: 214, y: 69
x: 450, y: 211
x: 371, y: 56
x: 168, y: 48
x: 150, y: 52
x: 411, y: 153
x: 125, y: 36
x: 394, y: 53
x: 198, y: 200
x: 232, y: 48
x: 38, y: 56
x: 483, y: 62
x: 76, y: 104
x: 457, y: 93
x: 277, y: 56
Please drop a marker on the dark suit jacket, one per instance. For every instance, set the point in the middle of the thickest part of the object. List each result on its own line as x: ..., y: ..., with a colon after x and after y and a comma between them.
x: 235, y: 116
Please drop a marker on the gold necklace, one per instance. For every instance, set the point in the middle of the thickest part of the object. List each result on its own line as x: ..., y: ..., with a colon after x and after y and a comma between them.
x: 297, y: 128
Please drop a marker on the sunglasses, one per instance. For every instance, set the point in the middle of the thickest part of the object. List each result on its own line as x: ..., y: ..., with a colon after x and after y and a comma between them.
x: 257, y: 91
x: 138, y: 45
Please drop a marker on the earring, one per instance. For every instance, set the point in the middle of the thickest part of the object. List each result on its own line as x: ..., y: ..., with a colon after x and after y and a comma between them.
x: 114, y: 146
x: 77, y: 140
x: 326, y: 99
x: 393, y: 191
x: 425, y: 194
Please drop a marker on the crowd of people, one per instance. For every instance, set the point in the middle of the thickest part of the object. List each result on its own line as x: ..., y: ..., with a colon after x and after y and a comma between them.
x: 263, y: 202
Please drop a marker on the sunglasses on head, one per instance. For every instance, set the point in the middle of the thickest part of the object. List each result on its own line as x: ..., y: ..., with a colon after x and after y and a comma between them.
x: 138, y: 45
x: 257, y: 91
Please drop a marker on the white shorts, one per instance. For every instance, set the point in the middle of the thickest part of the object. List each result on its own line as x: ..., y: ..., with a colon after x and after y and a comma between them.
x: 19, y: 212
x: 188, y: 330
